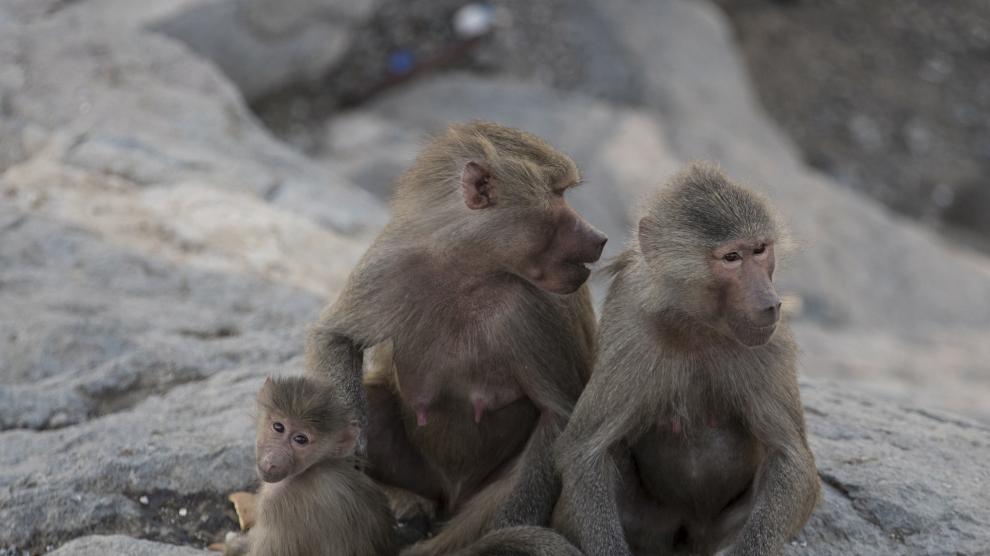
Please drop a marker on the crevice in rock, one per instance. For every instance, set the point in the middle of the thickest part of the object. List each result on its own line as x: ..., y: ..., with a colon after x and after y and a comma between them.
x: 838, y: 486
x: 942, y: 418
x: 58, y: 6
x: 272, y: 191
x: 109, y: 401
x: 13, y: 224
x: 225, y: 331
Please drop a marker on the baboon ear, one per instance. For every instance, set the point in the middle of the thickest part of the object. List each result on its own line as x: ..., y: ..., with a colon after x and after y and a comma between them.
x: 346, y: 440
x: 476, y: 186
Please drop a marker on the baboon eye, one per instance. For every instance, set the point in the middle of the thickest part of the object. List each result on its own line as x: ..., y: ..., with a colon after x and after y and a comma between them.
x: 278, y: 427
x: 732, y: 257
x: 760, y: 250
x: 300, y: 439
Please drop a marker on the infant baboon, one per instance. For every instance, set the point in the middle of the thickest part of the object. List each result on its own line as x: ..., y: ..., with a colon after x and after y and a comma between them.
x: 478, y: 285
x: 313, y: 500
x: 690, y: 436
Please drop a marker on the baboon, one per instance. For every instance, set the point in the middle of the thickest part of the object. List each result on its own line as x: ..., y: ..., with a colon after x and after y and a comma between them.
x: 313, y: 499
x: 478, y: 285
x: 690, y: 435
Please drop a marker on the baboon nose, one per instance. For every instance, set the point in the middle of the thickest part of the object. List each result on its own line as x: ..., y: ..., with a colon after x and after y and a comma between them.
x: 773, y: 312
x: 599, y: 243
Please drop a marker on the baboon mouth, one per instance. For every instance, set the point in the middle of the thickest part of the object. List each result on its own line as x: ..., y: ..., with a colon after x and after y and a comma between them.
x: 564, y: 277
x: 270, y: 477
x: 583, y: 270
x: 579, y: 265
x: 753, y: 336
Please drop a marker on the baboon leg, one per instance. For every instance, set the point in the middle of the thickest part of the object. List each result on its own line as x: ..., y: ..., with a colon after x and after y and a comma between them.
x: 537, y: 484
x: 524, y: 494
x: 407, y: 505
x: 786, y: 494
x: 469, y: 523
x: 392, y: 458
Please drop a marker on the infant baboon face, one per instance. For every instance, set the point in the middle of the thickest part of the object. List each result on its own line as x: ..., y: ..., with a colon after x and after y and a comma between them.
x: 286, y: 448
x: 300, y: 423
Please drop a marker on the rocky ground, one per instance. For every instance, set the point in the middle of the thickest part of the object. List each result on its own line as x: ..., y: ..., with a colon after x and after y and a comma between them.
x: 161, y: 251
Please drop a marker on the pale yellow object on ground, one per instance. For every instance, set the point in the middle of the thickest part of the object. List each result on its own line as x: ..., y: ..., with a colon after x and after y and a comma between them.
x: 244, y: 503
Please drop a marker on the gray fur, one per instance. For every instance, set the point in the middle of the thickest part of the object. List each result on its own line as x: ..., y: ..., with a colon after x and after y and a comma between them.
x: 626, y: 466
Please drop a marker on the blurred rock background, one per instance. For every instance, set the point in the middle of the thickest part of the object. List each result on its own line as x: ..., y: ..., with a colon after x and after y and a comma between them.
x: 184, y: 184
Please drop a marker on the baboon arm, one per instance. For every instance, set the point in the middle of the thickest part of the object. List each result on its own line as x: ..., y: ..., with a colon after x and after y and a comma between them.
x: 588, y: 508
x: 585, y: 455
x: 787, y: 492
x: 536, y: 485
x: 332, y: 355
x: 336, y: 343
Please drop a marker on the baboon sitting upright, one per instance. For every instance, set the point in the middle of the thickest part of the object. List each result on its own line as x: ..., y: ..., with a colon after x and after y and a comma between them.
x: 690, y: 436
x: 313, y: 501
x: 477, y: 283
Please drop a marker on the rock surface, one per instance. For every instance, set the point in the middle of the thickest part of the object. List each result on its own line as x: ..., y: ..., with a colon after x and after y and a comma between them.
x: 161, y: 252
x: 99, y: 545
x: 895, y: 109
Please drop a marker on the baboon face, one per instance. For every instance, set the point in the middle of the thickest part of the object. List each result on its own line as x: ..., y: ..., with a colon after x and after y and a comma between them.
x: 749, y: 306
x: 283, y: 448
x: 538, y: 236
x: 300, y: 422
x: 287, y: 447
x: 562, y: 245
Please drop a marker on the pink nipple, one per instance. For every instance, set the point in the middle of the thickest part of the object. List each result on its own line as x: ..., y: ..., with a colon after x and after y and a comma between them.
x: 675, y: 425
x: 479, y: 409
x: 421, y: 416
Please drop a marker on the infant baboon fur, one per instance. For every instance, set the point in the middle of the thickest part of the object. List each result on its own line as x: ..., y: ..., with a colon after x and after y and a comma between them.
x: 313, y: 500
x: 690, y: 436
x: 477, y: 284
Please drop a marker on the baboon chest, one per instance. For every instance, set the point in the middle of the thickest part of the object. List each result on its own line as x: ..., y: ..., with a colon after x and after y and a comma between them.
x: 463, y: 404
x: 698, y: 466
x: 441, y: 383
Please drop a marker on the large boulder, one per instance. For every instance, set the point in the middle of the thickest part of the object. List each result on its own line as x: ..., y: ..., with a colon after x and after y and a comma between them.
x: 154, y: 237
x: 897, y: 480
x: 135, y: 106
x: 260, y: 45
